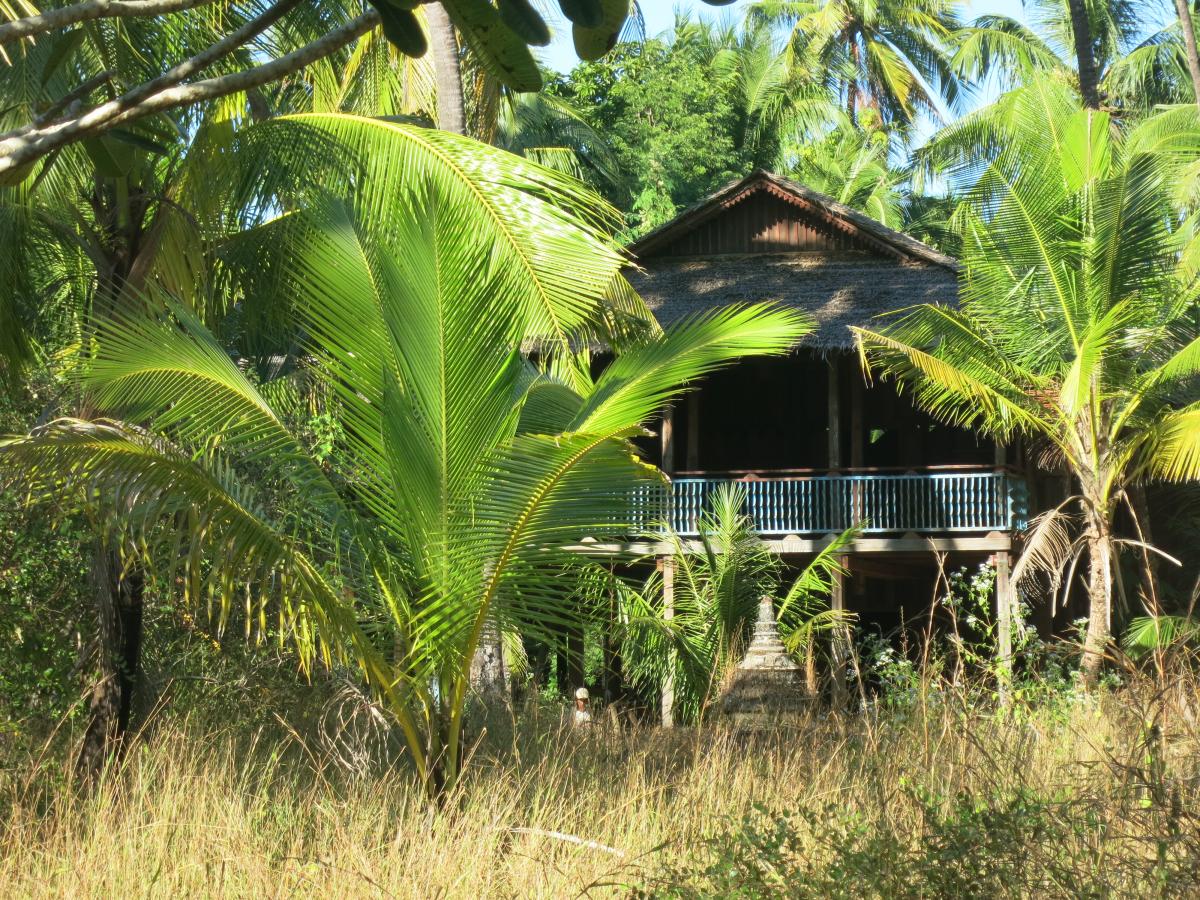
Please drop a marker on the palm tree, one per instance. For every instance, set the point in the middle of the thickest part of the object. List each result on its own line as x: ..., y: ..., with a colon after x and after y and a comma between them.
x: 717, y: 586
x: 853, y: 167
x: 1077, y: 323
x: 1085, y: 58
x: 550, y: 131
x: 447, y: 68
x: 776, y: 99
x: 1089, y: 43
x: 1189, y: 42
x: 462, y: 471
x: 96, y: 223
x: 88, y: 228
x: 891, y: 55
x: 371, y: 78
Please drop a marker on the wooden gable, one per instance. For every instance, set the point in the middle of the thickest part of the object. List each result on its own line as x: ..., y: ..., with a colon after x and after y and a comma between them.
x: 763, y: 213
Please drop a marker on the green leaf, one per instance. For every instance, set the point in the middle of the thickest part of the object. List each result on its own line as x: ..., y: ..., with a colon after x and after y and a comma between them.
x: 496, y: 44
x: 586, y: 13
x: 402, y: 28
x: 523, y: 19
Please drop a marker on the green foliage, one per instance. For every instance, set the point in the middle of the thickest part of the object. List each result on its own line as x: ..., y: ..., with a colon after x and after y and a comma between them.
x: 1016, y: 844
x: 459, y: 471
x: 671, y: 120
x: 45, y: 633
x: 852, y: 166
x: 501, y: 37
x: 717, y: 587
x: 1133, y: 76
x: 956, y: 658
x: 891, y: 56
x: 1146, y: 634
x: 43, y: 602
x: 687, y: 113
x: 201, y: 665
x: 1077, y: 321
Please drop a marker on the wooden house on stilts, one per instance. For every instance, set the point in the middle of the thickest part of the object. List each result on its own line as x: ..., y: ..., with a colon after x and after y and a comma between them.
x: 817, y: 445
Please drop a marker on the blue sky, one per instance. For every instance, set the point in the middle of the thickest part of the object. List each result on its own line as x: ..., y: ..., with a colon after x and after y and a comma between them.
x: 661, y: 13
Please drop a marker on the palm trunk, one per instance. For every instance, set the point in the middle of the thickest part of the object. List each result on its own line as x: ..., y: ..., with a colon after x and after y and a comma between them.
x: 119, y: 604
x: 447, y: 71
x: 852, y: 91
x: 489, y: 675
x: 488, y: 672
x: 1081, y: 32
x: 1100, y: 589
x: 118, y: 594
x: 1189, y: 43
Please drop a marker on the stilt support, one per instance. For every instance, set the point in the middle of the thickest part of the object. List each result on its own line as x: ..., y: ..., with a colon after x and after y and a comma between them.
x: 840, y: 645
x: 667, y: 565
x: 1005, y: 608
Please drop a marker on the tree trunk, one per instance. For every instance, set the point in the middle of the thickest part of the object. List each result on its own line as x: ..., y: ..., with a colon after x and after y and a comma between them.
x: 1006, y: 612
x: 1081, y: 31
x: 1189, y: 43
x: 1139, y: 502
x: 1100, y: 588
x: 575, y: 670
x: 443, y: 43
x: 852, y: 88
x: 667, y: 703
x: 119, y: 605
x: 489, y: 674
x: 118, y: 594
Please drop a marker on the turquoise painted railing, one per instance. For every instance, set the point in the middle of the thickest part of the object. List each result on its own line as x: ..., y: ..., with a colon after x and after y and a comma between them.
x: 929, y: 502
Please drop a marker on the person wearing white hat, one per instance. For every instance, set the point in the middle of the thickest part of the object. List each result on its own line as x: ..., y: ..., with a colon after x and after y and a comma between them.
x: 583, y: 715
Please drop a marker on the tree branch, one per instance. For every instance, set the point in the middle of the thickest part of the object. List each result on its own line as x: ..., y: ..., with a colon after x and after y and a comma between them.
x: 25, y: 148
x: 56, y: 19
x: 77, y: 93
x: 175, y: 74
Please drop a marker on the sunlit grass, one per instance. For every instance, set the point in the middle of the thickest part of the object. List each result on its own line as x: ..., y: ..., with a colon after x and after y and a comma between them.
x: 553, y: 813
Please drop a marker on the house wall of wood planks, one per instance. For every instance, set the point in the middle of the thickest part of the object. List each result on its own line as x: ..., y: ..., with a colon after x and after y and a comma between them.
x: 763, y: 223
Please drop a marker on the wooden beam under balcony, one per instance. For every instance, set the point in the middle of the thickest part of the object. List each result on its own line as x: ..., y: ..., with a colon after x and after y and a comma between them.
x: 992, y: 542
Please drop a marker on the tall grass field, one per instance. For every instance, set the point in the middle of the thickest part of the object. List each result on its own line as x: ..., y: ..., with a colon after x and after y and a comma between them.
x: 1078, y: 795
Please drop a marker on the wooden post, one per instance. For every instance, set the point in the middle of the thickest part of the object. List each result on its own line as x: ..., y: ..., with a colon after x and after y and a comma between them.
x: 562, y: 668
x: 575, y: 673
x: 835, y: 415
x: 840, y: 645
x: 857, y: 445
x: 693, y: 432
x: 667, y: 564
x: 1005, y: 606
x: 668, y: 440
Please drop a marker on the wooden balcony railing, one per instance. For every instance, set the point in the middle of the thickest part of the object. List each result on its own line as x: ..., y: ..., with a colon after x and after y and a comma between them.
x: 925, y: 502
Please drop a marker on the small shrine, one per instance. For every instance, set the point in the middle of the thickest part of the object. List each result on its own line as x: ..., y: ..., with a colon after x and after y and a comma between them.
x: 767, y: 684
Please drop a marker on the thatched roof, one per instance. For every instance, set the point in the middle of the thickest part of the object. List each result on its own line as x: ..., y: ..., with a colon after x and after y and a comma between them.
x: 835, y: 292
x: 767, y: 238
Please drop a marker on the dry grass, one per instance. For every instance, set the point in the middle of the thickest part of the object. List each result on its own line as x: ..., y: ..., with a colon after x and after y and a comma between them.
x: 1111, y: 782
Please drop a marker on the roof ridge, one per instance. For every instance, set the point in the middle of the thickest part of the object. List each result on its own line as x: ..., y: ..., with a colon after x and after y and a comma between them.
x: 903, y: 244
